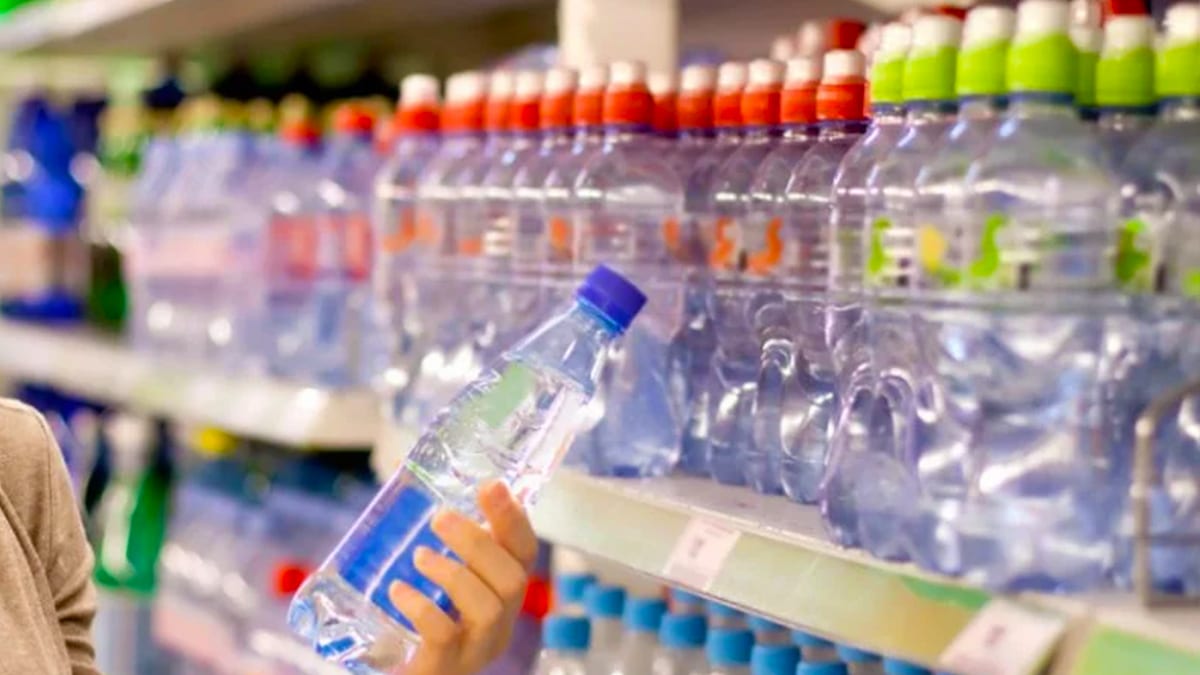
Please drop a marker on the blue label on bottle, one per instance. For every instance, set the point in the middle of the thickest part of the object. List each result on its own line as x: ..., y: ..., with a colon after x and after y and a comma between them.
x: 382, y: 550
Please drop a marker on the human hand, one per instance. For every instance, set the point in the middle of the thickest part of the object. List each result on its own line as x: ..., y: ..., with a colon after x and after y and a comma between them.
x: 488, y: 587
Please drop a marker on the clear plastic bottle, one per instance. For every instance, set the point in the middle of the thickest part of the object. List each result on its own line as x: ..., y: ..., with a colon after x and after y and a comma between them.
x: 728, y: 651
x: 1125, y: 83
x: 860, y: 662
x: 514, y: 423
x: 605, y: 606
x: 681, y: 646
x: 564, y: 646
x: 942, y: 460
x: 814, y: 649
x: 643, y: 618
x: 797, y: 387
x: 629, y: 202
x: 341, y: 292
x: 416, y: 143
x: 905, y: 407
x: 1025, y: 345
x: 570, y: 591
x: 774, y: 659
x: 845, y: 330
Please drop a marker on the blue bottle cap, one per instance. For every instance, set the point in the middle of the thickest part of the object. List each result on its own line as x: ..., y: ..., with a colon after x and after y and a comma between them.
x: 898, y: 667
x: 760, y: 624
x: 613, y: 295
x: 644, y: 615
x: 683, y: 631
x: 854, y: 655
x: 570, y: 633
x: 604, y: 602
x: 570, y: 588
x: 682, y: 597
x: 729, y: 647
x: 802, y: 639
x: 821, y: 668
x: 774, y: 660
x: 724, y: 611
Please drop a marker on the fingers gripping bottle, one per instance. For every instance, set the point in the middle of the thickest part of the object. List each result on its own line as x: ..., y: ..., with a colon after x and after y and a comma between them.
x: 629, y: 202
x: 744, y: 251
x: 845, y: 331
x: 808, y: 402
x: 907, y: 394
x: 513, y: 423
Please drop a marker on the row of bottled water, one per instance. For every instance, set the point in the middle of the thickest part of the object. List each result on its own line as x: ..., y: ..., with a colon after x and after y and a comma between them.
x: 597, y: 630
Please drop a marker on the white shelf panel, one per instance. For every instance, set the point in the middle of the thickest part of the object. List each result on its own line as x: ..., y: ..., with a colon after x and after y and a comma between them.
x: 784, y: 567
x: 102, y: 368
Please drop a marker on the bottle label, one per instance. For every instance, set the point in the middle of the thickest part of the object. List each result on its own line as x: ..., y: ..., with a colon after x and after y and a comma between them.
x: 762, y: 242
x: 725, y: 245
x: 358, y: 245
x: 878, y: 264
x: 399, y: 231
x: 561, y: 237
x: 292, y: 248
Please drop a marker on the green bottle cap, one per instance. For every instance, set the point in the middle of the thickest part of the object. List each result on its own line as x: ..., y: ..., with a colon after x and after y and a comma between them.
x: 986, y: 39
x: 932, y: 61
x: 1125, y: 72
x: 1178, y: 65
x: 887, y: 73
x: 1043, y: 58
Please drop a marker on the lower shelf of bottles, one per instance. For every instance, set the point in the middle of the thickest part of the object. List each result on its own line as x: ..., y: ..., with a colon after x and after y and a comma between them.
x: 104, y: 369
x: 771, y: 556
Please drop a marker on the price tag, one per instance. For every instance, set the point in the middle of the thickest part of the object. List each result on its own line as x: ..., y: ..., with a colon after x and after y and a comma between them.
x: 700, y: 553
x: 1004, y: 638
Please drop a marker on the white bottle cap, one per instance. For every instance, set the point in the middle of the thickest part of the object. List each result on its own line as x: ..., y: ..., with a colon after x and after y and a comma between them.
x: 869, y: 41
x: 1128, y: 31
x: 698, y: 79
x: 783, y: 48
x: 810, y: 39
x: 626, y: 73
x: 803, y: 70
x: 1036, y: 18
x: 765, y: 73
x: 466, y: 87
x: 893, y: 42
x: 841, y: 64
x: 1086, y: 39
x: 593, y: 78
x: 731, y: 76
x: 529, y: 85
x: 561, y: 80
x: 1182, y: 22
x: 419, y: 89
x: 501, y: 84
x: 934, y: 31
x: 662, y: 84
x: 988, y: 24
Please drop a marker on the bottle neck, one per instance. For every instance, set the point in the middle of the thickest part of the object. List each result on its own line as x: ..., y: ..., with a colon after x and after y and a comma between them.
x: 557, y: 137
x: 1183, y: 109
x: 620, y: 134
x: 759, y: 133
x: 695, y: 135
x: 799, y: 133
x: 887, y: 113
x: 837, y: 129
x: 981, y: 107
x: 929, y: 112
x: 728, y: 134
x: 1042, y: 104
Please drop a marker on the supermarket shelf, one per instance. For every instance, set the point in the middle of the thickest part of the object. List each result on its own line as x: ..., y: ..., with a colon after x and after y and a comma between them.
x: 782, y: 566
x: 102, y: 368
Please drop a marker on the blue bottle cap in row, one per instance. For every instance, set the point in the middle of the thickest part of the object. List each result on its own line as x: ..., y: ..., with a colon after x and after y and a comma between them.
x: 568, y: 633
x: 803, y: 639
x: 898, y: 667
x: 682, y: 597
x: 822, y: 668
x: 644, y: 615
x: 729, y: 647
x: 774, y: 660
x: 604, y: 602
x: 613, y: 295
x: 571, y: 588
x: 853, y: 655
x: 724, y: 611
x: 683, y: 631
x: 760, y: 624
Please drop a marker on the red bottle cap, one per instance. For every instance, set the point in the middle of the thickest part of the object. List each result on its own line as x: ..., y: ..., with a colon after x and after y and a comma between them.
x: 694, y: 107
x: 799, y: 103
x: 844, y: 33
x: 588, y: 108
x: 525, y: 112
x: 727, y: 104
x: 954, y: 11
x: 497, y: 115
x: 842, y: 91
x: 301, y: 132
x: 557, y: 104
x: 352, y: 118
x: 761, y: 100
x: 288, y: 576
x: 627, y: 100
x: 464, y: 102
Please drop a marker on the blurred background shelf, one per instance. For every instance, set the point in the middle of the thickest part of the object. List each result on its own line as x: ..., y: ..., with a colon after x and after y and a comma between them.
x: 101, y: 368
x: 783, y: 566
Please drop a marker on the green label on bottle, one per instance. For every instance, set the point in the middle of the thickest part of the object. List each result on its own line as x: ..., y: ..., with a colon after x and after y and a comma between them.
x: 984, y: 270
x: 1132, y: 262
x: 877, y: 256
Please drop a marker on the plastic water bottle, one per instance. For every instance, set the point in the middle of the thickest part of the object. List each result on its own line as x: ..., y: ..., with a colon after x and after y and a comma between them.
x: 728, y: 651
x: 860, y: 662
x: 774, y: 659
x: 681, y: 646
x: 814, y: 649
x: 570, y: 591
x: 643, y: 619
x: 513, y: 423
x: 898, y: 667
x: 635, y: 421
x: 341, y: 291
x: 797, y: 389
x: 902, y: 420
x: 845, y: 330
x: 743, y: 248
x: 416, y: 143
x: 942, y: 461
x: 564, y: 646
x: 721, y: 615
x: 605, y: 607
x: 1022, y: 351
x: 767, y: 632
x: 1125, y: 83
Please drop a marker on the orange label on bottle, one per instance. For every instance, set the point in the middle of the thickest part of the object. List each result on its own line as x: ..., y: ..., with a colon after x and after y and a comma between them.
x: 358, y: 245
x: 403, y: 235
x: 426, y: 231
x: 673, y: 237
x: 725, y: 246
x: 764, y: 246
x: 470, y: 247
x: 561, y: 236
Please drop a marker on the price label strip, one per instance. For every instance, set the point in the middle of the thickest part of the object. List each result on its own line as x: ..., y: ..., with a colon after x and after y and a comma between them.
x: 1004, y: 638
x: 700, y: 553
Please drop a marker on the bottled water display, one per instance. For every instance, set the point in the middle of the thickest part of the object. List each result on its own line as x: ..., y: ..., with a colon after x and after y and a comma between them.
x: 774, y: 659
x: 643, y: 620
x: 564, y: 646
x: 729, y: 651
x: 605, y: 607
x: 681, y: 646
